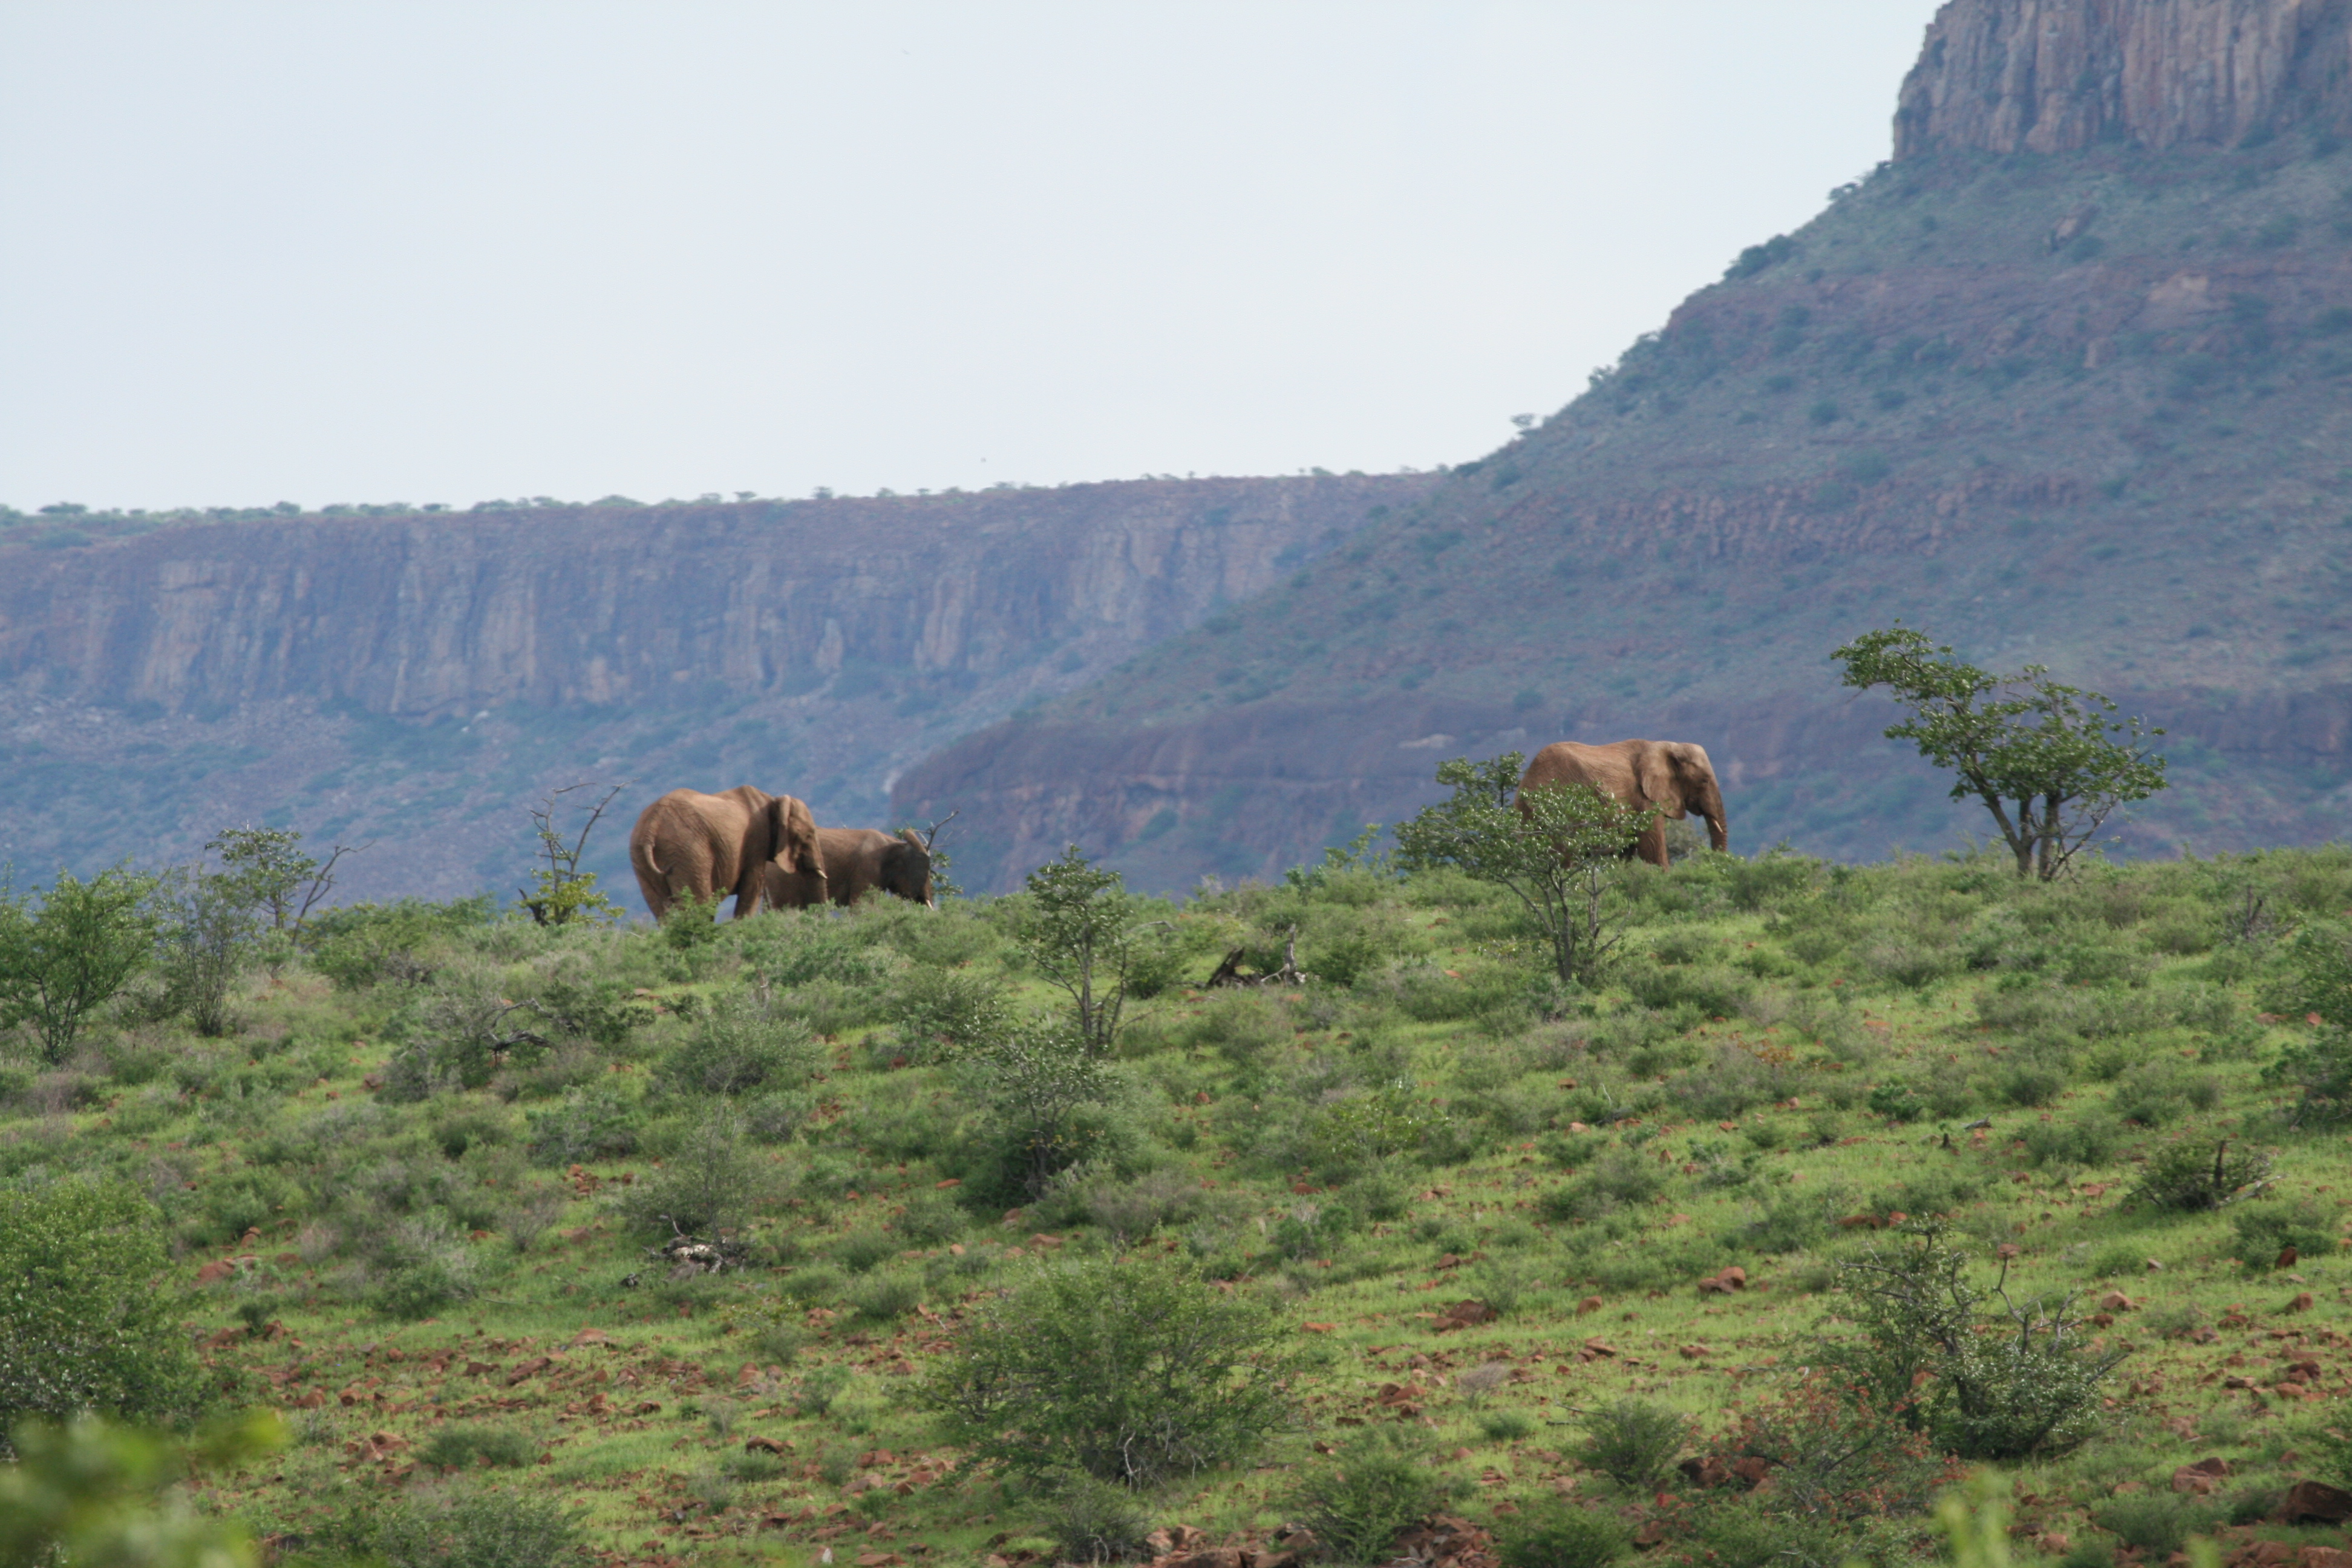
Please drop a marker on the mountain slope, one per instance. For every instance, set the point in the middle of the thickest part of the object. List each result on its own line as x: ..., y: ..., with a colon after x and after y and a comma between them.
x: 2086, y: 407
x: 418, y: 678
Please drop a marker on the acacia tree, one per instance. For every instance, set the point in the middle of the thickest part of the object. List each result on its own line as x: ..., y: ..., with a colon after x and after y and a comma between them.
x: 1080, y: 930
x: 2050, y: 762
x: 1553, y: 850
x: 70, y: 956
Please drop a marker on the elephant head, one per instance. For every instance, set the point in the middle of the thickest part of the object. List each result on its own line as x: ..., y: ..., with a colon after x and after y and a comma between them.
x: 1676, y: 775
x: 906, y: 868
x: 791, y: 848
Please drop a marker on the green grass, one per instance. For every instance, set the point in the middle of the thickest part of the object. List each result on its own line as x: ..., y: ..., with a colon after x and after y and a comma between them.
x: 1785, y: 1054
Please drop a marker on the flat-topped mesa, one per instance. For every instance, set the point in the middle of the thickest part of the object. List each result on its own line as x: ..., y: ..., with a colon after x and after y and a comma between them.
x: 2053, y: 76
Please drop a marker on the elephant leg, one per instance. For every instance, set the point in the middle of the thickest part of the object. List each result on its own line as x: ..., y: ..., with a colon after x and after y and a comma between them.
x: 1651, y: 844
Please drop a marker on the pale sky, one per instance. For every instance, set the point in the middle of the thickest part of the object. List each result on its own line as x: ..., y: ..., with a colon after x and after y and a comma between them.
x: 373, y: 250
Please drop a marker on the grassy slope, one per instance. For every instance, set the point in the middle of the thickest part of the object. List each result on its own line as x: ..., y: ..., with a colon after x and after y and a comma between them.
x: 1755, y: 1007
x: 2121, y: 455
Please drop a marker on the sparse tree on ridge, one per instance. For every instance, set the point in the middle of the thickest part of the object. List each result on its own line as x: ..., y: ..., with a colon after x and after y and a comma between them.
x: 2052, y: 762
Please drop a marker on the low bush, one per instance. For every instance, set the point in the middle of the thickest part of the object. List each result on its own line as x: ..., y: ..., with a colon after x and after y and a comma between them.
x: 1090, y: 1520
x: 465, y: 1528
x: 2195, y: 1173
x: 2157, y: 1523
x: 2262, y: 1233
x: 1623, y: 1178
x: 87, y: 1322
x: 2005, y: 1385
x: 1133, y: 1370
x: 1374, y: 1485
x: 464, y: 1447
x: 1562, y: 1536
x: 1633, y: 1442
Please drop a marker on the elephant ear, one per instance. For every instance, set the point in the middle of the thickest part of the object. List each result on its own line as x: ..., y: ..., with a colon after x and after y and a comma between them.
x: 1655, y: 775
x: 794, y: 836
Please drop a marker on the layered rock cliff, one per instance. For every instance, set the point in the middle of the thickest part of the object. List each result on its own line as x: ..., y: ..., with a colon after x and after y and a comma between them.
x: 2058, y: 76
x: 419, y: 676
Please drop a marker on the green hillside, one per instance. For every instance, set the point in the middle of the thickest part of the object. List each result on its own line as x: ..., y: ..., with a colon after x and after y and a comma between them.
x: 2087, y: 409
x: 409, y: 1194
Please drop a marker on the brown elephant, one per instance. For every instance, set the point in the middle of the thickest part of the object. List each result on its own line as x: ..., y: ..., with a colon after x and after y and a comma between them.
x: 858, y: 860
x: 1674, y: 774
x: 707, y: 846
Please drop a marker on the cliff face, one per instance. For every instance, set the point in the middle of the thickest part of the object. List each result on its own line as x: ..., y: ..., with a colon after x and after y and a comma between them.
x: 417, y: 679
x: 2058, y: 76
x: 420, y: 617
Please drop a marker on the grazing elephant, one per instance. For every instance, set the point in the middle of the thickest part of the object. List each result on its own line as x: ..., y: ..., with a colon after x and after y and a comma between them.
x: 858, y: 860
x: 1675, y: 774
x: 707, y: 845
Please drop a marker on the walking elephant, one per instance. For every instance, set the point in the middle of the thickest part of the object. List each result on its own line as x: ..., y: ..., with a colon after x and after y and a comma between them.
x: 1673, y: 775
x: 687, y: 844
x: 858, y: 860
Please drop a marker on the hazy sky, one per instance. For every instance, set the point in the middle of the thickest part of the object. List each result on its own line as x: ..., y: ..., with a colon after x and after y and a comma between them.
x: 440, y: 252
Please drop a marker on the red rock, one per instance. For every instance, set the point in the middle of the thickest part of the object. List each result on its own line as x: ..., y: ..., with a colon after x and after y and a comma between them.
x: 2316, y: 1500
x: 1590, y: 1304
x: 2302, y: 1303
x: 2200, y: 1478
x: 210, y: 1272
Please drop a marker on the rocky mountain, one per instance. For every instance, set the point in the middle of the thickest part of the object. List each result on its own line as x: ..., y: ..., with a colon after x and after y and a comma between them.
x: 2068, y: 380
x: 417, y: 679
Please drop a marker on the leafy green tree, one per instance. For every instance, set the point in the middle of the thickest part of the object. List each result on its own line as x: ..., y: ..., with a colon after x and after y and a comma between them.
x: 72, y: 954
x: 2051, y: 762
x: 1041, y: 1080
x: 1080, y: 931
x: 1554, y: 852
x: 101, y: 1496
x: 86, y: 1322
x: 1132, y: 1369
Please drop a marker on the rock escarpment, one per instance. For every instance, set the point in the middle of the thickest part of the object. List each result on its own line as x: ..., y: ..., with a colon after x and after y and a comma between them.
x: 2059, y: 76
x: 421, y: 615
x: 418, y: 678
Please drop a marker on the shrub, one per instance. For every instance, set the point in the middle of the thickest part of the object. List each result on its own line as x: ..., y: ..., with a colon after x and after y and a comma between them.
x: 709, y: 1184
x: 361, y: 945
x: 1377, y: 1483
x: 886, y: 1298
x: 466, y: 1529
x: 592, y: 1124
x: 944, y: 1012
x: 1042, y: 1080
x: 1836, y: 1458
x: 2157, y: 1523
x: 2089, y: 1141
x: 1132, y: 1370
x: 87, y: 1323
x: 1623, y: 1178
x: 2196, y: 1173
x: 1090, y: 1520
x: 2003, y: 1386
x: 463, y: 1447
x: 741, y: 1045
x: 2262, y: 1232
x: 423, y: 1271
x: 1561, y: 1535
x: 1633, y: 1442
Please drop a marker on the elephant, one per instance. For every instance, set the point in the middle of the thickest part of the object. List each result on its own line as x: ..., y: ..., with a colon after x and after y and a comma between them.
x: 1675, y: 774
x: 707, y: 846
x: 858, y: 861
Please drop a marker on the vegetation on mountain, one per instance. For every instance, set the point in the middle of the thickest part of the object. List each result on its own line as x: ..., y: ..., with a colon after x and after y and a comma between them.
x: 833, y: 1227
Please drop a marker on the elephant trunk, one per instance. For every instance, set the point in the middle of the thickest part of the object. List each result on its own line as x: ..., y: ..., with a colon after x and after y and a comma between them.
x: 1719, y: 829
